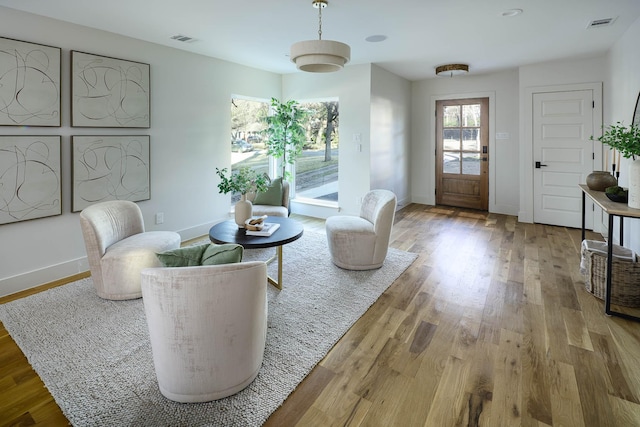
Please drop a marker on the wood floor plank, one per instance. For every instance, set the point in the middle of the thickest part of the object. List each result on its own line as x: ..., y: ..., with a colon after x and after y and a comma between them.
x: 451, y: 401
x: 506, y: 408
x: 566, y: 408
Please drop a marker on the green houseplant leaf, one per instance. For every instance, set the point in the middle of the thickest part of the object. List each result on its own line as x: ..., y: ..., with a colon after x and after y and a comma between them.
x: 286, y: 134
x: 622, y: 138
x: 243, y: 181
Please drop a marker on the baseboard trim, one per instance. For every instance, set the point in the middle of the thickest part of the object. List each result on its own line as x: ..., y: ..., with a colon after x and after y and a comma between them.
x: 35, y: 278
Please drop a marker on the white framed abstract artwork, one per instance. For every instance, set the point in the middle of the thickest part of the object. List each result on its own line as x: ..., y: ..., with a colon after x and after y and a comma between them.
x: 108, y: 92
x: 29, y: 84
x: 109, y: 168
x: 30, y: 183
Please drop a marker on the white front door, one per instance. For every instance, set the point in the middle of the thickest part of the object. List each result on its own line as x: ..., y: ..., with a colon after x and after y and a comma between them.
x: 562, y: 154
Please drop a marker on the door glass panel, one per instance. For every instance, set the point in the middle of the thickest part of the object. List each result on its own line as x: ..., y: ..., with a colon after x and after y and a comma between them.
x: 451, y: 139
x: 451, y: 116
x: 471, y: 164
x: 451, y: 162
x: 471, y: 115
x: 471, y: 139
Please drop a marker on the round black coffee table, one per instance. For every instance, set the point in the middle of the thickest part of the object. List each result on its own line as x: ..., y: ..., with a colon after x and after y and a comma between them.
x: 290, y: 230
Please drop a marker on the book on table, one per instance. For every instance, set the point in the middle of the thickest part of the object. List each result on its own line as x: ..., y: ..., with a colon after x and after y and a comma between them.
x: 267, y: 230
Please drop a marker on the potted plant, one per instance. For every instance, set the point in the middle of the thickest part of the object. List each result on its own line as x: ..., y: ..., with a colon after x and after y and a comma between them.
x: 286, y: 132
x: 245, y: 180
x: 626, y: 140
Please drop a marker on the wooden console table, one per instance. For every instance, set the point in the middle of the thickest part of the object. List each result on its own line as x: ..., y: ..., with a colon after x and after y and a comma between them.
x: 613, y: 209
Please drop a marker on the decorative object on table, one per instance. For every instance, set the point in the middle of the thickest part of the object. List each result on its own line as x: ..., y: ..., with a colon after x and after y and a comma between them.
x: 617, y: 194
x: 255, y: 224
x: 625, y: 273
x: 30, y: 82
x: 320, y: 56
x: 625, y: 141
x: 30, y: 178
x: 109, y: 168
x: 109, y: 92
x: 243, y: 181
x: 286, y: 133
x: 266, y: 229
x: 600, y: 180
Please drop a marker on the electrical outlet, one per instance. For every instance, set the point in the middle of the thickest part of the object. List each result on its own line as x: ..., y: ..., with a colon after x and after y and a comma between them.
x: 159, y: 217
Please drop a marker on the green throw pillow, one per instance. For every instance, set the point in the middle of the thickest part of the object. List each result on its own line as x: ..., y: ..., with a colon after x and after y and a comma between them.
x: 206, y: 254
x: 228, y: 253
x: 273, y: 195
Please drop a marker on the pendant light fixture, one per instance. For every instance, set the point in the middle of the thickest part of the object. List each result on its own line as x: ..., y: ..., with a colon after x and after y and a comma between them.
x: 452, y: 70
x: 320, y: 56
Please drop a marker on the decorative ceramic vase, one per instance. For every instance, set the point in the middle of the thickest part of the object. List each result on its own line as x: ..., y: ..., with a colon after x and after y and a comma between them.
x: 244, y: 210
x: 600, y: 180
x: 634, y: 184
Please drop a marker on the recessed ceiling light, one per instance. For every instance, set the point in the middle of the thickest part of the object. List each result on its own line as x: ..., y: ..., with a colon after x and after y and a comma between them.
x: 376, y: 38
x: 511, y: 12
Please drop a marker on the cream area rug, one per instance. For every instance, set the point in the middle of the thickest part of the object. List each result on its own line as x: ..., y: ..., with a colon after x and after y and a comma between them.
x: 95, y: 358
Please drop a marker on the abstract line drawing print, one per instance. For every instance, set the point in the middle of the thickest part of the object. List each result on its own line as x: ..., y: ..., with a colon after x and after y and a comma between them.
x: 29, y: 177
x: 109, y: 168
x: 29, y: 84
x: 108, y: 92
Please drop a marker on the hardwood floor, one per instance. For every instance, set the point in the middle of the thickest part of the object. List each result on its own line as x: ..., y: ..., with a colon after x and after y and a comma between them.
x: 490, y: 326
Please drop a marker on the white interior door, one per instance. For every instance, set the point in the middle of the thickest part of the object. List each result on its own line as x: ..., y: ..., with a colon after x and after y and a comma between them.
x: 563, y: 155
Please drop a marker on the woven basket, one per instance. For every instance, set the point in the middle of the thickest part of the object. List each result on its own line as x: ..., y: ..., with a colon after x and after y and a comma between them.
x: 625, y: 280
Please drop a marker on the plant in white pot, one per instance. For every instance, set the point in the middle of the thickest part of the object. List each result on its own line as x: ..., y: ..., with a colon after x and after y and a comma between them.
x: 626, y: 139
x: 243, y: 181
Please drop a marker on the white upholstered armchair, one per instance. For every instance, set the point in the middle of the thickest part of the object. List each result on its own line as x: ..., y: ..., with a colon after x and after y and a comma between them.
x: 276, y: 207
x: 361, y: 242
x: 207, y: 326
x: 118, y: 248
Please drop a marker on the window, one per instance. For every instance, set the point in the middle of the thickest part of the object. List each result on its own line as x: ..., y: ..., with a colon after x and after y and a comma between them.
x: 247, y: 147
x: 316, y: 170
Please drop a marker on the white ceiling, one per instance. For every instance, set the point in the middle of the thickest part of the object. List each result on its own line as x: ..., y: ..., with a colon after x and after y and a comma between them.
x: 421, y: 34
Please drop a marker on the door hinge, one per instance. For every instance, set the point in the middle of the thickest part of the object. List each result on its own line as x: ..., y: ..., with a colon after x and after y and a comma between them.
x: 593, y: 156
x: 593, y: 104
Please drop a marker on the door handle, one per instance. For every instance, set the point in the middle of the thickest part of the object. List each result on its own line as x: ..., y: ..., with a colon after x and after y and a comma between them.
x: 539, y: 165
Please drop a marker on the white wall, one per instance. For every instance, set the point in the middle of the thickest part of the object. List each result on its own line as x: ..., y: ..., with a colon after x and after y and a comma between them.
x: 352, y: 86
x: 622, y: 85
x: 390, y: 133
x: 502, y: 90
x: 190, y: 123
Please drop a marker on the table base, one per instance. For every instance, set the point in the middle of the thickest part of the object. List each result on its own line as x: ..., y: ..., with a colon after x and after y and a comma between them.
x: 278, y: 256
